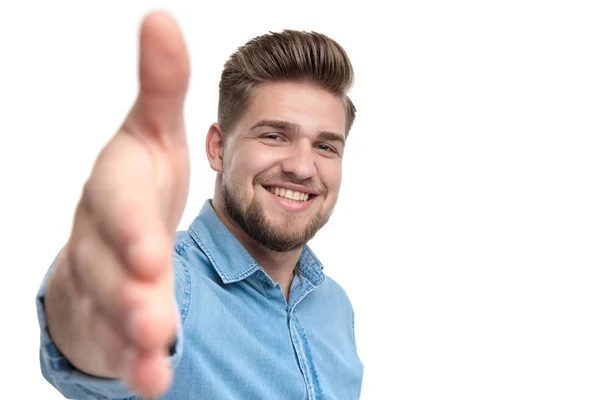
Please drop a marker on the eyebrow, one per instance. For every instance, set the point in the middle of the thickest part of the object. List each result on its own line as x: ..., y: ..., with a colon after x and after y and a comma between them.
x: 277, y: 124
x: 332, y: 136
x: 291, y: 127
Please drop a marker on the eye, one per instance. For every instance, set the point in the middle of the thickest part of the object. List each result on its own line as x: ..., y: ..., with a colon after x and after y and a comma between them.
x: 325, y: 147
x: 273, y: 137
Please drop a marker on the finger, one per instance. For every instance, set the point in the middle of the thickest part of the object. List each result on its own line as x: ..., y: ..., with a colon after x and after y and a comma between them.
x: 163, y: 76
x: 111, y: 338
x: 147, y: 372
x: 143, y: 311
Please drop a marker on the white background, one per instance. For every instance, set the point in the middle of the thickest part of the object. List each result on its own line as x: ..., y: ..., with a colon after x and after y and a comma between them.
x: 468, y: 229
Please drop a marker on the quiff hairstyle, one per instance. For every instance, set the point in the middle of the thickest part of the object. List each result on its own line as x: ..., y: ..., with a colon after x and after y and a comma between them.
x: 284, y: 56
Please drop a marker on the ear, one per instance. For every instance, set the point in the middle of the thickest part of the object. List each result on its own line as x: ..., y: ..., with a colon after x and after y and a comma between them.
x: 214, y: 147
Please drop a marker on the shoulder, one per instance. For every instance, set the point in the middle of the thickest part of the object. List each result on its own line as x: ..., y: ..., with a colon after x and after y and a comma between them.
x: 187, y: 254
x: 334, y: 288
x: 332, y: 293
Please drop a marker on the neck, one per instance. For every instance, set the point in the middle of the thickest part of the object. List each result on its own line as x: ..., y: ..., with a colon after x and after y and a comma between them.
x: 278, y: 265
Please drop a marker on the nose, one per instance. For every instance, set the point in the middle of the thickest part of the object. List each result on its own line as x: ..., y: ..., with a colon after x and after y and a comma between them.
x: 301, y: 161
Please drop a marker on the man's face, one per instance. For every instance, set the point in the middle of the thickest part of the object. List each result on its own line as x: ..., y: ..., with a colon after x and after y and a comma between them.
x: 282, y: 164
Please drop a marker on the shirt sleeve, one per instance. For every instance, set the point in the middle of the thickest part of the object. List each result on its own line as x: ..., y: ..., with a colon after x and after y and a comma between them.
x: 73, y: 383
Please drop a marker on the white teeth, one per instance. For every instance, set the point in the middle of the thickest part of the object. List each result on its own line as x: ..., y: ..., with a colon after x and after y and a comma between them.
x: 289, y: 194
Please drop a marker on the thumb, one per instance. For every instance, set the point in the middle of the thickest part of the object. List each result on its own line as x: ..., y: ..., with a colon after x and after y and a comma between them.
x: 163, y: 77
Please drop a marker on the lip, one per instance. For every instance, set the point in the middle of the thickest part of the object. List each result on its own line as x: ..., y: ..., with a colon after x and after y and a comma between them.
x: 288, y: 205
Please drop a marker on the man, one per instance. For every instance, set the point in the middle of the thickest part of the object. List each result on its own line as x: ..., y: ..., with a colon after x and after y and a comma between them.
x: 237, y: 305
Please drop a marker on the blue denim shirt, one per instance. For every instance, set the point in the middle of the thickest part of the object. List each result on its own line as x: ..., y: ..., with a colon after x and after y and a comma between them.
x: 239, y: 338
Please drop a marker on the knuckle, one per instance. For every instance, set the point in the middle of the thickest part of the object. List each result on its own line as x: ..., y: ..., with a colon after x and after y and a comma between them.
x: 126, y: 298
x: 151, y: 255
x: 156, y: 325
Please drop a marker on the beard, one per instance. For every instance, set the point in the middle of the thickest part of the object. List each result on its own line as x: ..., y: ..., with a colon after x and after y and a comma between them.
x: 288, y: 236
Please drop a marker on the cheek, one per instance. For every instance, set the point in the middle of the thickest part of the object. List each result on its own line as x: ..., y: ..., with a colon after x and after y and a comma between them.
x: 264, y: 158
x: 261, y: 162
x: 331, y: 175
x: 234, y: 175
x: 241, y: 170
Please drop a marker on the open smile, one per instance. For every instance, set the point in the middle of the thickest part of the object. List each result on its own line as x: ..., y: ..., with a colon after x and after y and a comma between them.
x: 290, y: 200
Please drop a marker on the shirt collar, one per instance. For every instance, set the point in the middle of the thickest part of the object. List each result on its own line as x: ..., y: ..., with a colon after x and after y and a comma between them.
x: 229, y: 257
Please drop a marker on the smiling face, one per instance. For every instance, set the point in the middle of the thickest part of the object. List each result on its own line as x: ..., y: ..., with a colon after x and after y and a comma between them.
x: 281, y: 166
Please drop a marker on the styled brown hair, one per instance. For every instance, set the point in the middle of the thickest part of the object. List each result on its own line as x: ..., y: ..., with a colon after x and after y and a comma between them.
x: 284, y: 56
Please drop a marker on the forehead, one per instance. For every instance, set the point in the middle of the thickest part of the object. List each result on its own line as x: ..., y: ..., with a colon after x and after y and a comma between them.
x: 307, y: 105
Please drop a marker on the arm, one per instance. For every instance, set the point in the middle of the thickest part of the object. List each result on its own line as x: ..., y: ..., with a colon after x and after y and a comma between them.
x: 106, y: 306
